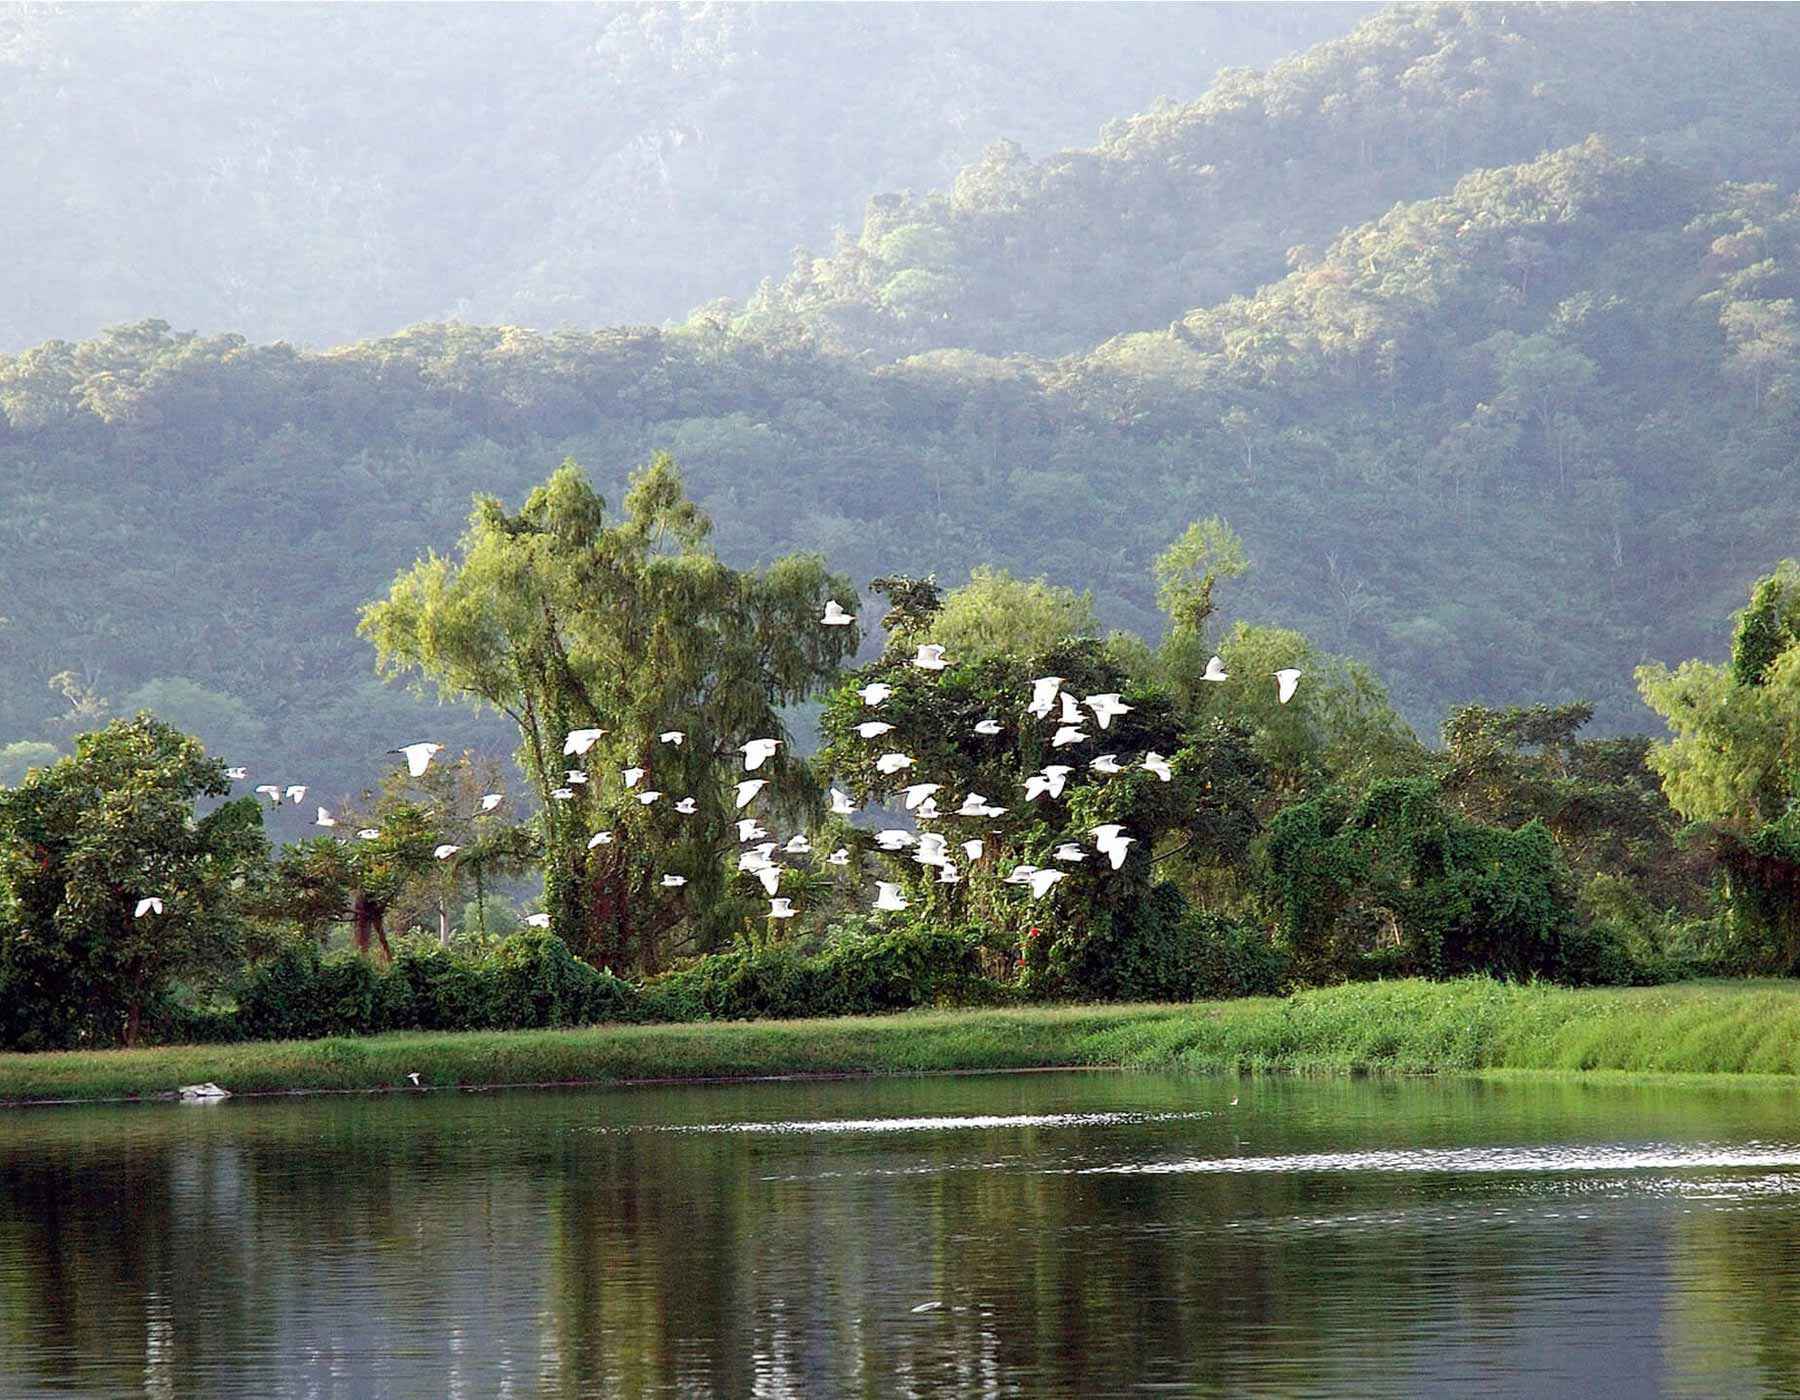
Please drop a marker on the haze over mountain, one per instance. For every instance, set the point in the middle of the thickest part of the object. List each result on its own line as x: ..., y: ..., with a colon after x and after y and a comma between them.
x: 319, y: 173
x: 1503, y: 439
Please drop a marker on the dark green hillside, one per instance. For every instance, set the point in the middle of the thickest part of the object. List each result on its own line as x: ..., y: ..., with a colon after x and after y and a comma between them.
x: 1504, y: 444
x: 1188, y: 205
x: 323, y: 172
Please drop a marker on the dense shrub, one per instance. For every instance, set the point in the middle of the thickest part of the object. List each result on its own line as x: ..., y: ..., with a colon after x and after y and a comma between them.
x: 1161, y: 949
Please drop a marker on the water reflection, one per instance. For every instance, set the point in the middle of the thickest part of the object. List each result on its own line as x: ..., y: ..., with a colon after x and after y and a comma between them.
x: 1080, y: 1234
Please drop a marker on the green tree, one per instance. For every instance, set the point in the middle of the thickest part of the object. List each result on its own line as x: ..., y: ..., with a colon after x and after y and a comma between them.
x: 82, y: 843
x: 995, y: 614
x: 326, y: 881
x: 563, y: 619
x: 1190, y: 568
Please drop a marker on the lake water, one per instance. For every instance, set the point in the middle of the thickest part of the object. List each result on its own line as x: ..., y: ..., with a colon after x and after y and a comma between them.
x: 1050, y: 1234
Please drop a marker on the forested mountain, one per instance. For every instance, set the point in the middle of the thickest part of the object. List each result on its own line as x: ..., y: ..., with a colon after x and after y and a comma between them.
x: 1189, y: 204
x: 323, y: 172
x: 1503, y: 442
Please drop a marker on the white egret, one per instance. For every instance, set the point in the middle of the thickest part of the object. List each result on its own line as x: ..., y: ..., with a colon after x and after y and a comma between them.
x: 841, y: 856
x: 648, y: 796
x: 875, y: 692
x: 1042, y: 880
x: 209, y: 1090
x: 631, y: 776
x: 872, y: 729
x: 445, y: 851
x: 1071, y: 712
x: 538, y: 920
x: 987, y: 726
x: 274, y: 793
x: 1106, y: 763
x: 895, y: 839
x: 492, y: 800
x: 928, y: 810
x: 757, y: 752
x: 1020, y: 875
x: 888, y: 896
x: 917, y: 793
x: 841, y: 805
x: 1285, y: 680
x: 973, y: 849
x: 581, y: 740
x: 368, y: 833
x: 891, y: 763
x: 782, y: 909
x: 574, y: 776
x: 746, y: 791
x: 414, y: 1076
x: 1043, y: 695
x: 600, y: 838
x: 835, y: 616
x: 948, y: 874
x: 798, y: 845
x: 1158, y: 765
x: 1065, y: 735
x: 295, y: 792
x: 324, y: 818
x: 931, y: 849
x: 1047, y: 783
x: 1215, y: 670
x: 750, y: 830
x: 151, y: 905
x: 770, y: 875
x: 237, y: 775
x: 1106, y: 707
x: 418, y: 756
x: 930, y: 658
x: 673, y: 882
x: 1069, y: 853
x: 687, y: 806
x: 562, y: 794
x: 671, y: 736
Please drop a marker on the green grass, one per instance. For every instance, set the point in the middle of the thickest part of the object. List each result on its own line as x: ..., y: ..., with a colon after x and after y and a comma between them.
x: 1744, y: 1028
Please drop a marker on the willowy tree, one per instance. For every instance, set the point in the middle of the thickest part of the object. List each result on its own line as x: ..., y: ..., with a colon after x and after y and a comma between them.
x: 1730, y: 768
x: 330, y: 880
x: 563, y: 617
x: 87, y: 838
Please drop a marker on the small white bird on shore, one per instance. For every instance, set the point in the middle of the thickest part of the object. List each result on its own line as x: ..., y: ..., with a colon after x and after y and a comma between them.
x: 195, y: 1093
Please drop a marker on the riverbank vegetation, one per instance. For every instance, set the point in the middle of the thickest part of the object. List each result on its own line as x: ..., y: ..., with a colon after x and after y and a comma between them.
x: 1468, y: 1026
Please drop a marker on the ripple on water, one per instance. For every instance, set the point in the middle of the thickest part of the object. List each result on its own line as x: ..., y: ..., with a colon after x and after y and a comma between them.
x: 1485, y: 1160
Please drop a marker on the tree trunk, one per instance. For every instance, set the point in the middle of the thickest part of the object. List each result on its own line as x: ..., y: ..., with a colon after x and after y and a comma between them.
x: 361, y: 920
x: 443, y: 925
x: 133, y: 1017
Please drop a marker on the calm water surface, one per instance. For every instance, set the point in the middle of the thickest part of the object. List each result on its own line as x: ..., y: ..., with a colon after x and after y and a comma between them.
x: 1066, y: 1234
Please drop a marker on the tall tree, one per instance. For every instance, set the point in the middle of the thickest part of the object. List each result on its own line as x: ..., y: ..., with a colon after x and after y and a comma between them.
x: 564, y: 619
x: 82, y: 843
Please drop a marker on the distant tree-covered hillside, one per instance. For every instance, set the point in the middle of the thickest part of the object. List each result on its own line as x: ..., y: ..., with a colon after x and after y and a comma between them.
x: 1503, y: 444
x: 1189, y: 204
x: 321, y: 173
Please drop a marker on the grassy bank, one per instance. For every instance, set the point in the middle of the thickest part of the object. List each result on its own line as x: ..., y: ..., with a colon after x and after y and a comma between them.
x: 1692, y: 1028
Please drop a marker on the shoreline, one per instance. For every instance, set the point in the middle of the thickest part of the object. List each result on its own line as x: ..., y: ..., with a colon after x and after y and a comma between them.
x: 1715, y: 1030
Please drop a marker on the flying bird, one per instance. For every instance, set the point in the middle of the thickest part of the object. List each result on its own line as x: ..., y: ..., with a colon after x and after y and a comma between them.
x: 492, y: 800
x: 1042, y: 880
x: 671, y: 736
x: 875, y: 692
x: 1106, y: 763
x: 273, y: 792
x: 1065, y: 735
x: 746, y: 791
x: 973, y: 849
x: 798, y: 845
x: 835, y: 616
x: 1215, y: 670
x: 872, y: 729
x: 1069, y: 853
x: 930, y: 658
x: 687, y: 806
x: 368, y: 833
x: 757, y: 752
x: 927, y: 810
x: 888, y: 896
x: 749, y: 830
x: 931, y: 849
x: 563, y: 794
x: 445, y: 851
x: 1047, y: 783
x: 781, y: 909
x: 295, y: 792
x: 1043, y: 695
x: 948, y: 874
x: 1158, y: 765
x: 325, y: 818
x: 895, y: 839
x: 414, y: 1076
x: 987, y: 726
x: 917, y: 793
x: 891, y: 763
x: 1071, y: 712
x: 841, y: 805
x: 673, y: 882
x: 648, y: 796
x: 581, y: 740
x: 152, y: 905
x: 770, y: 875
x: 600, y: 838
x: 1020, y: 875
x: 631, y: 776
x: 237, y: 775
x: 574, y: 776
x: 841, y: 856
x: 418, y: 756
x: 1285, y: 681
x: 1106, y: 707
x: 538, y: 920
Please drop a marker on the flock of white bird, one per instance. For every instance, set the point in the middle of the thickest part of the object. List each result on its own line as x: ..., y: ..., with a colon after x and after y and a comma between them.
x: 1050, y: 703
